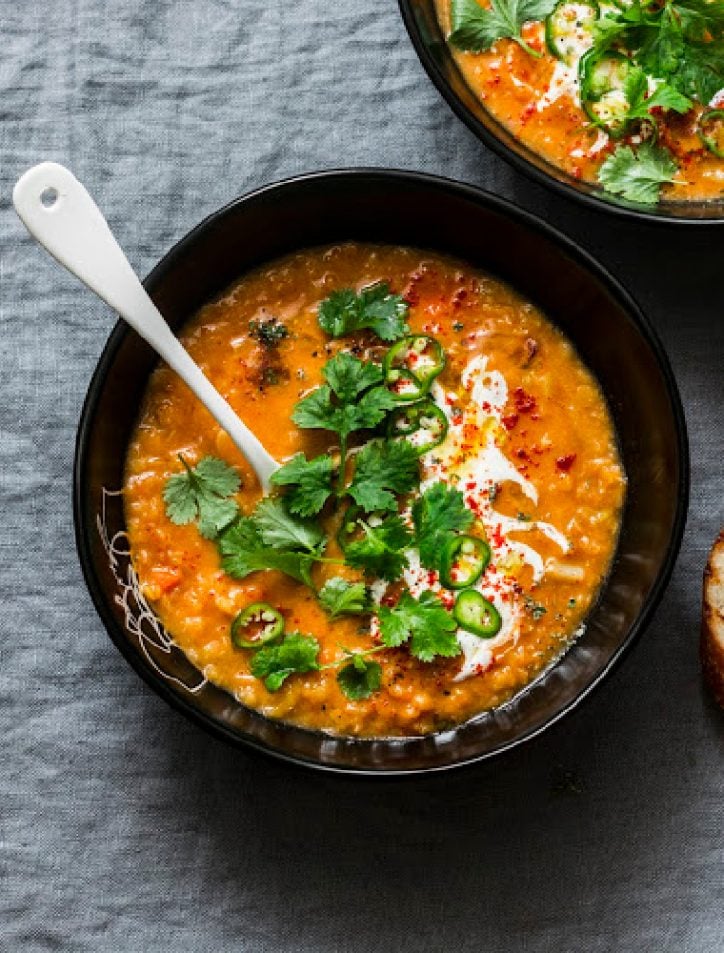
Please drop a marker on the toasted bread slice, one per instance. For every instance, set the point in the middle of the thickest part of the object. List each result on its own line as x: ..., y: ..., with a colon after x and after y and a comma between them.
x: 712, y: 621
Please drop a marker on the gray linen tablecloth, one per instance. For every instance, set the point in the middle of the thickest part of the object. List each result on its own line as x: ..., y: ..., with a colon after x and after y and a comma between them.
x: 125, y: 828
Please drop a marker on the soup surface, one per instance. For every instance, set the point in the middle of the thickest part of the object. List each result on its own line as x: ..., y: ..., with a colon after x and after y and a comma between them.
x: 626, y: 94
x: 449, y: 560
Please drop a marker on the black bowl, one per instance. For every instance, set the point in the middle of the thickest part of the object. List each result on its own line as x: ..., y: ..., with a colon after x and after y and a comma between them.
x: 596, y: 313
x: 437, y: 58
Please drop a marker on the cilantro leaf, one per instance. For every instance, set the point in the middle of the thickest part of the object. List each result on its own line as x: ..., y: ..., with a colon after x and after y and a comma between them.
x: 381, y: 551
x: 636, y: 88
x: 663, y: 43
x: 438, y: 512
x: 360, y: 678
x: 341, y: 597
x: 638, y: 176
x: 352, y: 399
x: 700, y: 19
x: 311, y: 481
x: 318, y: 411
x: 243, y: 551
x: 381, y: 469
x: 203, y: 491
x: 375, y: 307
x: 275, y: 663
x: 680, y: 43
x: 425, y: 622
x: 280, y: 530
x: 348, y: 376
x: 701, y: 71
x: 477, y: 28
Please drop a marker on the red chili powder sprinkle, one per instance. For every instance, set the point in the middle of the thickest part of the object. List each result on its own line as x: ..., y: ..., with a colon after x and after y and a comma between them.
x: 524, y: 403
x: 564, y: 464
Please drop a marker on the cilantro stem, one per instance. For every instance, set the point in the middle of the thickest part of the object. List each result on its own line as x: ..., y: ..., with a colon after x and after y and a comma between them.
x: 342, y: 464
x: 349, y: 655
x: 189, y: 470
x: 528, y: 49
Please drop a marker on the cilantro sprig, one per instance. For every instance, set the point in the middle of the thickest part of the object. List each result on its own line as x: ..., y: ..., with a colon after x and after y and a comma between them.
x: 271, y: 538
x: 477, y: 28
x: 383, y: 469
x: 339, y: 597
x: 360, y: 677
x: 381, y: 550
x: 298, y: 654
x: 282, y: 534
x: 375, y: 307
x: 424, y: 622
x: 638, y: 176
x: 203, y: 493
x: 437, y: 513
x: 275, y: 663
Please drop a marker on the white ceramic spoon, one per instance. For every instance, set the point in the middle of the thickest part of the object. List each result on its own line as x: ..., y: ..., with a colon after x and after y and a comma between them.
x: 60, y: 214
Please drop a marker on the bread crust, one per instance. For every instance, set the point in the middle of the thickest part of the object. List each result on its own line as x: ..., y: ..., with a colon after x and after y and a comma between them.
x: 712, y: 621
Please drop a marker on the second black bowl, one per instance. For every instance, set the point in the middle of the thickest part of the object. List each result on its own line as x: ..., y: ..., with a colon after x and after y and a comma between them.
x: 427, y: 37
x: 603, y: 322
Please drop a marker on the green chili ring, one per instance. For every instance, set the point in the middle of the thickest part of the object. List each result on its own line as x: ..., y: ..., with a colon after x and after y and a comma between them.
x: 256, y: 625
x: 399, y: 363
x: 397, y: 376
x: 602, y: 72
x: 424, y: 418
x: 713, y: 117
x: 560, y: 28
x: 474, y: 551
x: 476, y: 614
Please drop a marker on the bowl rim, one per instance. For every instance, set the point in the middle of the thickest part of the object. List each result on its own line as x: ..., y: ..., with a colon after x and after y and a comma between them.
x: 83, y: 528
x: 518, y: 160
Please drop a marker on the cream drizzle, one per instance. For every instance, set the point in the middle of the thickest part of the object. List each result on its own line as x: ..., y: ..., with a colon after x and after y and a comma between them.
x: 476, y: 474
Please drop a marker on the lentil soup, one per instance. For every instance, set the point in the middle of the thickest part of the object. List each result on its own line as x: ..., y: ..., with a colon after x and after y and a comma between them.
x: 448, y: 528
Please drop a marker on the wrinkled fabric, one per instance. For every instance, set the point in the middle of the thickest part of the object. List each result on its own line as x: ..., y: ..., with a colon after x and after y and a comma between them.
x: 125, y: 828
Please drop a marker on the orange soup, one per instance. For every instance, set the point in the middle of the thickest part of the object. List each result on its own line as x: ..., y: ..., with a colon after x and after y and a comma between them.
x: 446, y: 512
x: 626, y: 94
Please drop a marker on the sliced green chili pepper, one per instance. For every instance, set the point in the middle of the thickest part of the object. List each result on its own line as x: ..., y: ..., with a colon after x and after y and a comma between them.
x: 476, y: 614
x: 412, y: 364
x: 711, y: 131
x: 569, y: 27
x: 424, y: 425
x: 464, y: 559
x: 602, y: 78
x: 256, y: 625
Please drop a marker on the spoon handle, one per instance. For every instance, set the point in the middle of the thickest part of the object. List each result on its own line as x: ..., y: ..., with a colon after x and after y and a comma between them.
x: 61, y: 215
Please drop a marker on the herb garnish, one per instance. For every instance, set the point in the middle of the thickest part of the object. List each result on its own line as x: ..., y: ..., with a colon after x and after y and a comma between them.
x: 275, y: 663
x: 281, y: 533
x: 425, y: 622
x: 437, y: 513
x: 203, y: 492
x: 384, y: 468
x: 477, y: 28
x: 381, y: 551
x: 638, y: 176
x: 341, y: 597
x: 311, y: 482
x: 271, y: 538
x: 360, y: 678
x: 375, y: 307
